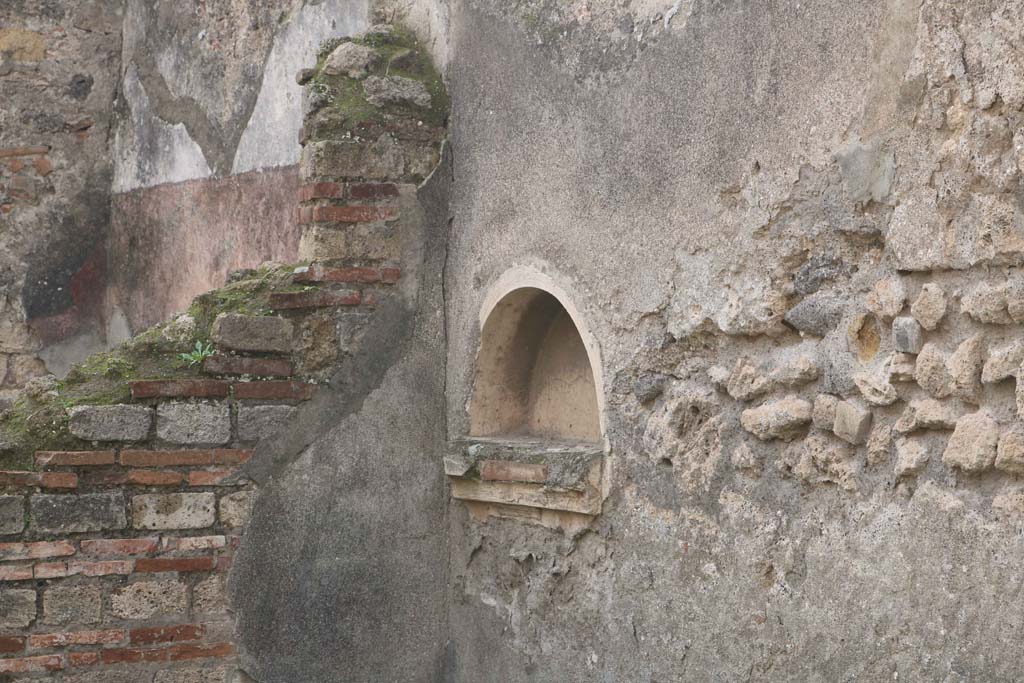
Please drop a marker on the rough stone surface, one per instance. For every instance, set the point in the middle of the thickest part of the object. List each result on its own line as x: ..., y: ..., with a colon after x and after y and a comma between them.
x: 875, y: 387
x: 852, y: 423
x: 747, y: 381
x: 783, y: 419
x: 906, y: 335
x: 986, y: 303
x: 1003, y: 362
x: 76, y: 603
x: 887, y: 298
x: 965, y: 367
x: 911, y: 457
x: 194, y: 423
x: 383, y: 91
x: 111, y: 423
x: 930, y: 306
x: 17, y: 607
x: 259, y: 422
x: 212, y: 674
x: 926, y: 414
x: 173, y: 510
x: 210, y: 595
x: 931, y: 372
x: 902, y: 367
x: 12, y: 514
x: 147, y: 599
x: 817, y: 314
x: 823, y: 413
x: 351, y: 59
x: 235, y: 508
x: 972, y: 447
x: 71, y: 514
x: 253, y: 332
x: 1010, y: 452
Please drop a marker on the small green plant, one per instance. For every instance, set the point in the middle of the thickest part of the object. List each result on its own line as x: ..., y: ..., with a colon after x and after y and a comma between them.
x: 197, y: 354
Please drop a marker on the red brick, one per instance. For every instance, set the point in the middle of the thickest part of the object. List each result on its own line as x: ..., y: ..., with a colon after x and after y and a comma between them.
x: 18, y: 572
x: 43, y: 641
x: 179, y: 388
x: 36, y: 550
x: 10, y: 644
x: 83, y: 658
x: 120, y: 546
x: 51, y: 570
x: 58, y: 570
x: 348, y: 214
x: 58, y: 480
x: 187, y: 543
x: 321, y: 191
x: 74, y: 458
x: 224, y: 563
x: 16, y: 165
x: 390, y: 275
x: 23, y: 151
x: 318, y: 273
x: 303, y: 214
x: 132, y: 655
x: 502, y: 470
x: 372, y: 190
x: 180, y: 652
x: 210, y: 477
x: 166, y: 634
x: 23, y: 665
x: 237, y: 365
x: 43, y: 166
x: 319, y: 298
x: 6, y: 208
x: 155, y: 478
x: 154, y: 565
x: 215, y: 456
x: 104, y: 478
x: 279, y: 390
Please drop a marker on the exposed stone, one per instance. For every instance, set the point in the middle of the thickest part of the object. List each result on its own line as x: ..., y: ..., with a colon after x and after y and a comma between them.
x: 925, y: 414
x: 260, y: 422
x: 907, y: 335
x: 823, y: 414
x: 218, y: 674
x: 235, y: 508
x: 173, y: 511
x: 931, y: 372
x: 194, y: 423
x: 1010, y: 452
x: 718, y: 376
x: 12, y: 514
x: 887, y: 298
x: 351, y: 59
x: 253, y: 333
x: 649, y: 387
x: 1009, y: 503
x: 864, y: 337
x: 382, y: 91
x: 912, y: 455
x: 852, y: 423
x: 965, y: 369
x: 879, y: 444
x: 147, y: 599
x: 210, y: 595
x: 783, y: 419
x: 875, y: 387
x: 972, y: 447
x: 744, y: 458
x: 17, y: 607
x: 747, y: 381
x: 930, y: 306
x: 1015, y: 300
x: 986, y: 303
x: 382, y: 159
x: 110, y: 423
x: 72, y: 514
x: 816, y: 271
x: 76, y: 603
x: 794, y: 373
x: 1003, y: 362
x: 816, y: 315
x: 901, y: 367
x: 822, y: 459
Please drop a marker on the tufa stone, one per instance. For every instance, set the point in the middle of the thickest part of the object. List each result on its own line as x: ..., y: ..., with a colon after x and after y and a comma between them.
x: 783, y: 419
x: 747, y: 381
x: 986, y: 303
x: 351, y: 59
x: 901, y: 367
x: 17, y: 608
x: 925, y: 414
x: 253, y: 333
x: 931, y: 372
x: 173, y: 511
x: 1003, y: 362
x: 794, y: 373
x: 73, y: 604
x: 382, y: 91
x: 194, y: 423
x: 972, y: 447
x: 964, y: 368
x: 930, y: 306
x: 110, y: 423
x: 907, y: 335
x: 852, y: 423
x: 875, y: 387
x: 235, y: 508
x: 887, y: 298
x: 260, y: 422
x: 12, y: 514
x: 879, y: 444
x: 146, y: 599
x: 816, y: 315
x: 911, y: 457
x: 79, y: 513
x: 1010, y: 451
x: 823, y: 414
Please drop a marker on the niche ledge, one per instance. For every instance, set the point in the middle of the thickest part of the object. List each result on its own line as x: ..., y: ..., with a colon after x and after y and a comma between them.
x: 563, y: 476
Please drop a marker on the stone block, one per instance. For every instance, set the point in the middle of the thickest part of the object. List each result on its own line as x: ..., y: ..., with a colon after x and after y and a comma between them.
x: 147, y: 599
x: 925, y: 414
x: 17, y: 608
x: 370, y: 241
x: 930, y: 306
x: 911, y: 457
x: 1010, y: 450
x: 852, y: 423
x: 887, y: 298
x: 173, y: 510
x: 823, y: 415
x: 236, y: 508
x: 382, y: 159
x: 210, y: 595
x: 211, y: 674
x: 964, y: 368
x: 253, y: 332
x: 931, y: 372
x: 816, y: 315
x: 783, y: 419
x: 78, y: 603
x: 1003, y: 362
x: 111, y: 423
x: 974, y: 443
x: 986, y: 303
x: 194, y: 423
x: 875, y: 387
x: 351, y: 59
x: 12, y: 514
x: 902, y: 367
x: 383, y: 91
x: 77, y: 513
x: 907, y: 335
x: 259, y: 422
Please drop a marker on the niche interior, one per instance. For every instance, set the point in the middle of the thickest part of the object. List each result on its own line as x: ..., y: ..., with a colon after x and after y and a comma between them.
x: 535, y: 436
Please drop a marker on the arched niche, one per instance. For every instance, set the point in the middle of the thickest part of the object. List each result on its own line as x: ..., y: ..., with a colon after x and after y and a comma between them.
x: 534, y: 375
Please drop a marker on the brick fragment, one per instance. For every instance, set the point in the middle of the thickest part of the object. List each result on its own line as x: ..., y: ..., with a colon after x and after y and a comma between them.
x: 190, y: 543
x: 132, y: 655
x: 43, y: 166
x: 321, y: 298
x: 349, y: 214
x: 83, y: 658
x: 155, y: 565
x: 192, y: 457
x: 23, y: 665
x: 372, y: 190
x: 212, y: 477
x: 46, y: 480
x: 179, y: 388
x: 74, y: 458
x: 33, y: 150
x: 45, y: 641
x: 325, y: 190
x: 57, y: 570
x: 36, y: 550
x: 274, y: 390
x: 155, y: 478
x: 18, y: 572
x: 358, y: 275
x: 166, y: 634
x: 120, y: 546
x: 12, y: 644
x: 237, y: 365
